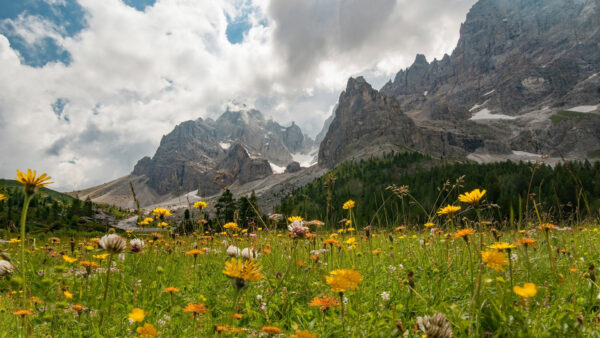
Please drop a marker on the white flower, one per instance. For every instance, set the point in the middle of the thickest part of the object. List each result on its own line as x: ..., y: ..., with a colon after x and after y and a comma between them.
x: 113, y: 243
x: 345, y: 300
x: 391, y: 268
x: 136, y: 245
x: 233, y: 251
x: 297, y: 229
x: 5, y: 268
x: 259, y: 298
x: 385, y: 296
x: 249, y: 253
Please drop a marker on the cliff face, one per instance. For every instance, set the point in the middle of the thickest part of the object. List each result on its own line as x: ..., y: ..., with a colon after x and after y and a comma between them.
x: 517, y: 66
x: 238, y: 146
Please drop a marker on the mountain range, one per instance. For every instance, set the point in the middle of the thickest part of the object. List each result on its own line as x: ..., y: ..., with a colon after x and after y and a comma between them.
x: 522, y: 82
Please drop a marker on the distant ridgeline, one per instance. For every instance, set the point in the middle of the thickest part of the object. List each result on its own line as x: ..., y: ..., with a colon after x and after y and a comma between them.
x: 49, y: 211
x: 507, y: 183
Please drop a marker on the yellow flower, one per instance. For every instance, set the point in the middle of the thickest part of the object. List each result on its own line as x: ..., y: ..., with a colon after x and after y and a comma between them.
x: 494, y: 259
x: 68, y: 294
x: 137, y: 315
x: 349, y: 223
x: 2, y: 197
x: 449, y: 210
x: 303, y: 334
x: 464, y: 233
x: 163, y: 224
x: 528, y: 290
x: 343, y: 280
x: 200, y: 205
x: 231, y: 226
x: 31, y: 182
x: 14, y: 240
x: 472, y: 197
x: 429, y: 225
x: 100, y: 256
x: 69, y: 259
x: 295, y: 218
x: 349, y: 204
x: 351, y: 241
x: 501, y: 246
x: 247, y: 271
x: 161, y: 212
x: 146, y: 331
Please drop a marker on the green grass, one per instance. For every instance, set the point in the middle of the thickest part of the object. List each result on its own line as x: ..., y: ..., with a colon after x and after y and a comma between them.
x: 566, y: 115
x: 444, y: 279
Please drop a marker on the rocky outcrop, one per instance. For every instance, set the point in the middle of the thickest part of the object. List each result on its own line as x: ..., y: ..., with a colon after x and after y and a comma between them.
x: 516, y: 65
x: 240, y: 143
x: 293, y: 167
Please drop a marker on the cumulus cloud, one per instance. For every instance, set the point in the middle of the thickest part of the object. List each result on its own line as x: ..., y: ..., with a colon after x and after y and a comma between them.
x: 133, y: 75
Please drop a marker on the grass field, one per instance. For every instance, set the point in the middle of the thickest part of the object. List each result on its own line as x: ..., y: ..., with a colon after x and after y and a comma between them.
x: 406, y: 274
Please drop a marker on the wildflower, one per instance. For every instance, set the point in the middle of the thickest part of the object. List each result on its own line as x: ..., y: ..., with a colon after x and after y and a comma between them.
x: 297, y: 229
x: 331, y: 241
x: 196, y: 308
x: 161, y: 212
x: 113, y: 243
x: 30, y: 182
x: 325, y: 302
x: 233, y: 251
x: 2, y: 197
x: 200, y: 205
x: 351, y: 241
x: 528, y: 290
x: 376, y: 252
x: 146, y: 331
x: 271, y: 329
x: 136, y: 245
x: 171, y: 290
x: 231, y: 226
x: 100, y: 256
x: 399, y: 228
x: 303, y: 334
x: 435, y: 326
x: 69, y: 259
x: 237, y: 316
x: 501, y: 246
x: 194, y: 252
x: 68, y: 294
x: 547, y: 226
x: 349, y: 204
x: 464, y: 233
x: 472, y: 197
x: 249, y: 253
x: 162, y: 224
x: 23, y: 313
x: 293, y: 219
x: 385, y: 296
x: 343, y: 280
x: 429, y: 225
x: 6, y: 268
x: 243, y: 271
x: 137, y: 315
x: 449, y: 210
x: 54, y: 240
x: 14, y: 240
x: 494, y: 259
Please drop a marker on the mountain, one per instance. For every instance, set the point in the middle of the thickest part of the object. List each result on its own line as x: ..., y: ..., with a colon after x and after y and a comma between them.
x: 206, y: 155
x: 523, y: 80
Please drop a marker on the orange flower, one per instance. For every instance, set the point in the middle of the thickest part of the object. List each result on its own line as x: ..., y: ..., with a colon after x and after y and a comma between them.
x: 303, y: 334
x: 526, y: 242
x: 147, y: 331
x: 171, y: 289
x: 196, y: 308
x: 324, y: 302
x: 271, y: 329
x: 236, y: 316
x: 23, y: 313
x: 194, y: 252
x: 547, y: 226
x: 464, y: 233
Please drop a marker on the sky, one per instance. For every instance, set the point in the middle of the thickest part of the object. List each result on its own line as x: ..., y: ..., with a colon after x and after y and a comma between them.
x: 89, y: 87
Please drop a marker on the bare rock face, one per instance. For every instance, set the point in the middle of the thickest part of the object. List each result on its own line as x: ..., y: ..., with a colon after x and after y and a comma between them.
x: 516, y: 65
x: 293, y: 167
x: 240, y: 143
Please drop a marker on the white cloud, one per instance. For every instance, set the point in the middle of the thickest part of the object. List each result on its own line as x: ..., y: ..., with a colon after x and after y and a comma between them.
x: 134, y: 75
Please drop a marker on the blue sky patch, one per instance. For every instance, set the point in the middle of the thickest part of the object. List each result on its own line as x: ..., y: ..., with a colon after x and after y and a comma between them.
x: 67, y: 15
x: 140, y: 5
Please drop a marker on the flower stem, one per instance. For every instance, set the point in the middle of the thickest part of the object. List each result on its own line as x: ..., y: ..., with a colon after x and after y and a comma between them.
x: 23, y: 265
x: 106, y: 286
